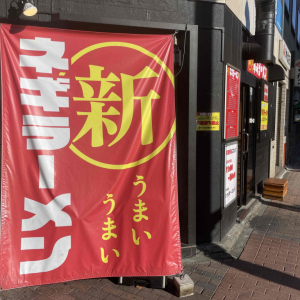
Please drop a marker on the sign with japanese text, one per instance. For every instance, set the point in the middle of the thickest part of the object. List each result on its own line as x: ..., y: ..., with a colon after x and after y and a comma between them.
x: 266, y: 92
x: 258, y: 70
x: 285, y: 56
x: 264, y: 109
x: 231, y: 155
x: 89, y: 179
x: 232, y: 94
x: 264, y: 115
x: 297, y: 73
x: 208, y: 121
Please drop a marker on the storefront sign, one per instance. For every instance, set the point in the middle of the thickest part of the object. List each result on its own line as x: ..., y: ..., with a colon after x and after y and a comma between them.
x: 264, y: 109
x: 264, y: 116
x: 230, y: 180
x: 266, y: 93
x: 297, y: 73
x: 208, y: 121
x: 258, y: 70
x: 89, y: 184
x: 232, y: 103
x: 284, y: 55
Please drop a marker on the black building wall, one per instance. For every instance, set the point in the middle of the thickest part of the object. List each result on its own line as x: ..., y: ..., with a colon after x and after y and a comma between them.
x: 173, y: 11
x: 210, y: 86
x: 219, y: 45
x: 233, y: 56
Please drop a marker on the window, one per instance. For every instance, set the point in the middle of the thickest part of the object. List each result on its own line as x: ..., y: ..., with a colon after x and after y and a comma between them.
x: 279, y: 16
x: 287, y: 5
x: 298, y: 33
x: 294, y: 15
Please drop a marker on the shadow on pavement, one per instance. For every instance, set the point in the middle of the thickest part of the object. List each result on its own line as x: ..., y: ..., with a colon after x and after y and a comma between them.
x: 294, y: 163
x: 294, y: 207
x: 262, y: 272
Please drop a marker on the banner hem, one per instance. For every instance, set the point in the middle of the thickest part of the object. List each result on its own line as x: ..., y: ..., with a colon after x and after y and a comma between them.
x: 13, y: 286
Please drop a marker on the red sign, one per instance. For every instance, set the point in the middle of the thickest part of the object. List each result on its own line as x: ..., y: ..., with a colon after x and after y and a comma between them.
x: 89, y: 185
x: 232, y: 103
x: 258, y: 70
x: 231, y: 176
x: 266, y: 92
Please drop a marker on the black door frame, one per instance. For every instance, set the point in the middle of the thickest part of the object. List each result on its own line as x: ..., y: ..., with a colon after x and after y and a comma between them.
x: 251, y: 81
x: 244, y: 196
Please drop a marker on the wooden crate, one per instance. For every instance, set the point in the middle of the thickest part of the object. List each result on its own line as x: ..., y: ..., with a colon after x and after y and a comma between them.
x: 276, y: 182
x: 275, y: 189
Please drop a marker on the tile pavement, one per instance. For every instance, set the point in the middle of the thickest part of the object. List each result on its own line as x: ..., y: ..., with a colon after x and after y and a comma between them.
x: 206, y: 275
x: 268, y: 268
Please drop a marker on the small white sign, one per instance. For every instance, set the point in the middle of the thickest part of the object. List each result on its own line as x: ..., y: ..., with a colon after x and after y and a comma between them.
x: 285, y: 55
x: 230, y: 180
x: 297, y: 118
x: 297, y: 73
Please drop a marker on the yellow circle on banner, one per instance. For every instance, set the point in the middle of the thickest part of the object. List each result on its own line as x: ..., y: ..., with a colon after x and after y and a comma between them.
x: 173, y: 129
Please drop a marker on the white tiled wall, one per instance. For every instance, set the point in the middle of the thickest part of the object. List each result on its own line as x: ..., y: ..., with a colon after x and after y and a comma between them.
x: 277, y: 146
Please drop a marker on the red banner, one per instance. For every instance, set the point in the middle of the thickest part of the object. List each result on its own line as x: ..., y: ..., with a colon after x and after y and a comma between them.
x: 89, y: 186
x: 232, y: 103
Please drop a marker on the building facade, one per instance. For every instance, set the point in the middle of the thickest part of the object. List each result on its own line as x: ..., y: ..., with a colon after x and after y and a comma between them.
x: 210, y: 36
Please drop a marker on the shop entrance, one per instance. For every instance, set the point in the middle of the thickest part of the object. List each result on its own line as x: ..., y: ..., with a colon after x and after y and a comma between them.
x: 247, y: 141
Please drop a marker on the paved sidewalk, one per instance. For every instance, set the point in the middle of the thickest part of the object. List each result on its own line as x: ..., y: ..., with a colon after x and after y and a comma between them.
x: 268, y: 267
x: 207, y: 275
